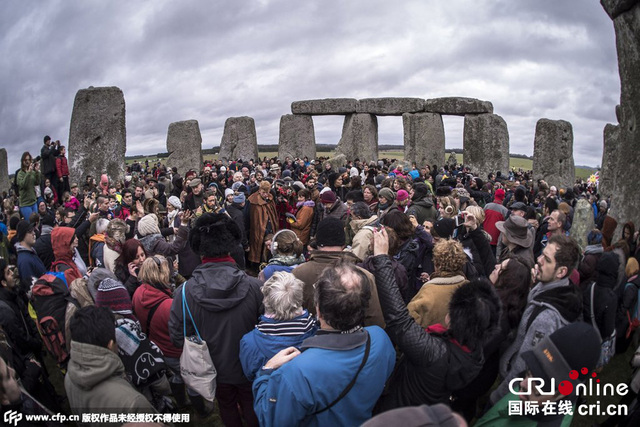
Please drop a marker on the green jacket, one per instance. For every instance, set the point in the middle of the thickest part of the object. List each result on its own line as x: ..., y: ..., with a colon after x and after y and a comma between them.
x: 26, y: 185
x: 498, y: 416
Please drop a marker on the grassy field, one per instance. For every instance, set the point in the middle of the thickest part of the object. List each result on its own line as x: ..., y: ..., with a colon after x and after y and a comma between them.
x: 514, y: 162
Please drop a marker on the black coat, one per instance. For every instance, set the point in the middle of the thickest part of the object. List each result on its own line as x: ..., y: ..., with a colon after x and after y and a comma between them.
x: 432, y: 367
x: 225, y: 303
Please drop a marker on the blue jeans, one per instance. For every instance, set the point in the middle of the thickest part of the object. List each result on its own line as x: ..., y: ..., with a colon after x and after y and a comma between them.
x: 26, y: 211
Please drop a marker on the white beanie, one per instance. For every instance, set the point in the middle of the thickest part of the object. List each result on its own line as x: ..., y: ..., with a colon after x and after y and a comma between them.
x: 175, y: 202
x: 228, y: 192
x: 147, y: 225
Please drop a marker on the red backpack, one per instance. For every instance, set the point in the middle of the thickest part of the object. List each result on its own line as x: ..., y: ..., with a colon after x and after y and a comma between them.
x: 49, y: 298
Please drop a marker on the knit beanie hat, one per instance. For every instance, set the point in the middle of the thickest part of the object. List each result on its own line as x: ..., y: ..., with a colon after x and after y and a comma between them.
x: 330, y: 232
x: 175, y: 202
x: 147, y: 225
x: 499, y: 195
x: 228, y: 192
x: 402, y: 195
x: 112, y: 294
x: 387, y: 194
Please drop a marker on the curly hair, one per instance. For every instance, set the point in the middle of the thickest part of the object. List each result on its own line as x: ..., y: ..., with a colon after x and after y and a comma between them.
x: 449, y: 256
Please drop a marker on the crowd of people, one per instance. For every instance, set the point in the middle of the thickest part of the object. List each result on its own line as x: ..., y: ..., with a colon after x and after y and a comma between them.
x: 326, y: 294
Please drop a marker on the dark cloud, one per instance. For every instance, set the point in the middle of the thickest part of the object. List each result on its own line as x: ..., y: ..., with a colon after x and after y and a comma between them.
x: 213, y: 60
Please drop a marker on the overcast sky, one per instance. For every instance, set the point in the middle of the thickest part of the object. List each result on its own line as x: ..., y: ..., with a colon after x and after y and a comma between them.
x: 210, y: 60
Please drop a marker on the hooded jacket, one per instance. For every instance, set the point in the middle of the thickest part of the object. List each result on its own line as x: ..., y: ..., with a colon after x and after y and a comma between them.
x: 29, y: 266
x: 144, y: 299
x: 550, y: 306
x: 423, y: 210
x: 225, y: 303
x: 433, y: 365
x: 61, y: 238
x: 605, y: 302
x: 362, y: 232
x: 95, y: 382
x: 587, y: 268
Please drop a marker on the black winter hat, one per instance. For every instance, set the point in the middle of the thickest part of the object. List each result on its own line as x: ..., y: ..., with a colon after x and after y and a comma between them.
x: 330, y: 232
x: 444, y: 227
x: 214, y: 235
x: 23, y: 228
x: 420, y: 190
x: 571, y: 347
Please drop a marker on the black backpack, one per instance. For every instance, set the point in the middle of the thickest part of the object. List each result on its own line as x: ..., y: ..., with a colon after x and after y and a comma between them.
x: 49, y: 298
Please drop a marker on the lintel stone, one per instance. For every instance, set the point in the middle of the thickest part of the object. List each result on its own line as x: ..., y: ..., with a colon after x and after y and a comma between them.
x: 329, y: 106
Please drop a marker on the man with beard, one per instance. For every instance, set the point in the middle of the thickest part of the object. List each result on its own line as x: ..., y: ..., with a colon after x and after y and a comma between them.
x: 263, y: 220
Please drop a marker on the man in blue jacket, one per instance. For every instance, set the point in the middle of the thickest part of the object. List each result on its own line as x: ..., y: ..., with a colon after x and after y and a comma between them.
x: 30, y: 266
x: 340, y: 373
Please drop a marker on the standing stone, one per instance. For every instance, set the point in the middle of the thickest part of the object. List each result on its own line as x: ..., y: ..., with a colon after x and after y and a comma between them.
x: 608, y: 170
x: 184, y: 144
x: 359, y: 137
x: 553, y: 153
x: 582, y: 223
x: 626, y: 191
x: 423, y: 139
x: 390, y: 106
x: 458, y: 106
x: 98, y: 134
x: 297, y: 137
x: 337, y: 162
x: 486, y: 144
x: 239, y: 140
x: 325, y: 106
x: 4, y: 171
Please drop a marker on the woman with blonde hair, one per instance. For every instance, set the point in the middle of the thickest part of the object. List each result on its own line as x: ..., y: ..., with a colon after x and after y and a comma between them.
x: 447, y: 207
x: 152, y: 306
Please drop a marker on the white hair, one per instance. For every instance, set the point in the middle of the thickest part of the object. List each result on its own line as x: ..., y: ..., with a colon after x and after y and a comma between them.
x: 283, y: 294
x: 101, y: 225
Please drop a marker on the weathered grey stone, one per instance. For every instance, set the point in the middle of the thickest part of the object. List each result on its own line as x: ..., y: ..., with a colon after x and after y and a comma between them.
x: 486, y: 144
x: 97, y: 134
x: 626, y: 191
x: 452, y: 160
x: 184, y: 144
x: 5, y: 184
x: 390, y: 106
x: 553, y: 153
x: 337, y: 162
x: 327, y: 106
x: 615, y: 8
x: 359, y: 137
x: 297, y: 137
x: 582, y: 223
x: 239, y: 140
x: 423, y: 138
x: 609, y: 165
x: 458, y: 106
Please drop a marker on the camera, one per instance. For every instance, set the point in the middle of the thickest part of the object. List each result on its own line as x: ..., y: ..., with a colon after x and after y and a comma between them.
x: 37, y: 159
x: 460, y: 218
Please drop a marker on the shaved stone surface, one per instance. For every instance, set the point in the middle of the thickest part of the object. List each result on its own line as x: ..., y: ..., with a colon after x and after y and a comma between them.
x: 327, y: 106
x: 184, y: 144
x: 4, y: 171
x: 390, y: 106
x: 458, y: 106
x: 359, y: 137
x: 626, y: 191
x: 423, y: 138
x: 97, y: 134
x: 608, y: 172
x: 486, y: 144
x: 297, y: 137
x: 239, y: 140
x: 583, y: 222
x: 553, y: 153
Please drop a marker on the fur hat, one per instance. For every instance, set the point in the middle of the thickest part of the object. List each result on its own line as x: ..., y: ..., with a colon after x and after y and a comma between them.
x: 147, y: 225
x: 214, y: 235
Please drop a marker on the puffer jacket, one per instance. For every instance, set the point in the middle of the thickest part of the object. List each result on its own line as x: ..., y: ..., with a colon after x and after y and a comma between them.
x: 225, y: 303
x: 432, y: 366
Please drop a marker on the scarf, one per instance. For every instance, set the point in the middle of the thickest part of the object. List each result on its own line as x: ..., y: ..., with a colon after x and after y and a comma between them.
x: 286, y: 260
x: 98, y: 238
x: 113, y: 244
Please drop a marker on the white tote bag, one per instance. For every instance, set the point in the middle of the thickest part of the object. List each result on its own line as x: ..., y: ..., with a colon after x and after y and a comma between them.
x: 196, y: 367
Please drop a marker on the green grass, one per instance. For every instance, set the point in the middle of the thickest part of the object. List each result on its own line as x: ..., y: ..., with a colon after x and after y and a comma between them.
x: 514, y: 162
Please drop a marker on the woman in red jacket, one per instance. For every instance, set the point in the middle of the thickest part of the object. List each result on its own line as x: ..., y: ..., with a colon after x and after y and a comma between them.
x: 151, y: 305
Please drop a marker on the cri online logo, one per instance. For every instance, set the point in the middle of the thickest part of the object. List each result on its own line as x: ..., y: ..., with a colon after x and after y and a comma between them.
x: 12, y: 417
x: 566, y: 387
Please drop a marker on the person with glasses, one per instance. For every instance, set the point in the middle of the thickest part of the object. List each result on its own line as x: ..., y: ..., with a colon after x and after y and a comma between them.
x: 28, y: 178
